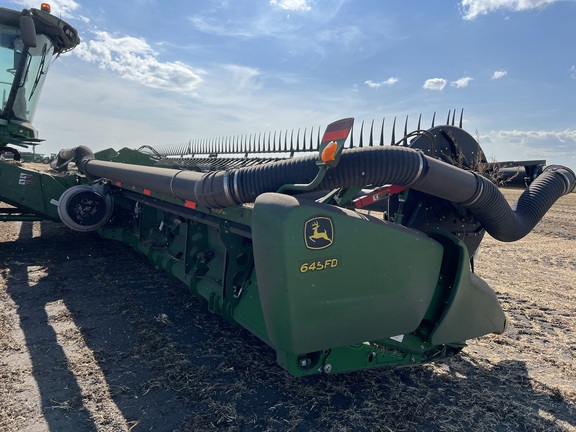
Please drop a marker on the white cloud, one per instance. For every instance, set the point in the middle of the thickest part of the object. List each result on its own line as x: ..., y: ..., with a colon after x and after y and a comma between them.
x: 471, y: 9
x: 556, y: 147
x: 435, y: 84
x: 60, y: 8
x: 242, y: 76
x: 573, y: 72
x: 564, y: 136
x: 349, y: 36
x: 499, y: 74
x: 373, y: 84
x: 133, y: 59
x: 295, y: 5
x: 461, y: 82
x: 216, y: 27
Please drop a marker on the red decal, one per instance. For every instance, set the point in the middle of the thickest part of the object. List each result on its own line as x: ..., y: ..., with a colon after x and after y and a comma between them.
x: 338, y: 130
x: 190, y: 204
x: 377, y: 195
x: 147, y: 192
x: 335, y: 135
x: 119, y: 184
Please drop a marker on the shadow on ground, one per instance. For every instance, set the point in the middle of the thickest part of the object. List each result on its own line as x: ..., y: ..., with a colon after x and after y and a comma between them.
x: 161, y: 361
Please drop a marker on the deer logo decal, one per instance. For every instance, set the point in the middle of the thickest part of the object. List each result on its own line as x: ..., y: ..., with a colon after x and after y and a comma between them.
x: 318, y: 233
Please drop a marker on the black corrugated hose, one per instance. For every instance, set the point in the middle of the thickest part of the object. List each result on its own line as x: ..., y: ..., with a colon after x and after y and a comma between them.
x: 357, y: 167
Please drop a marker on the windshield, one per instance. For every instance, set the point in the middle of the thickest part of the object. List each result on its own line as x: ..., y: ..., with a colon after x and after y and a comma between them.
x: 8, y: 38
x: 35, y: 65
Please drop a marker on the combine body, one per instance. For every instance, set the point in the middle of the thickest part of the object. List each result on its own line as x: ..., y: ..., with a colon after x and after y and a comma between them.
x: 340, y: 255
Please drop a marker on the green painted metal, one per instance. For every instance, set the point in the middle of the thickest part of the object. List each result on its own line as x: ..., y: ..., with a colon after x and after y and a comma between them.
x: 367, y: 294
x: 328, y: 288
x: 344, y: 277
x: 472, y: 308
x: 32, y: 192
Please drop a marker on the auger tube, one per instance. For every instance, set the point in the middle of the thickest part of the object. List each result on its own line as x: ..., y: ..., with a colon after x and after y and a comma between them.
x: 400, y: 166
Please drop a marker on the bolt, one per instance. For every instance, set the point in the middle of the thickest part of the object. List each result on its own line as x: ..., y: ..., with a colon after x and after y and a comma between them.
x: 328, y: 368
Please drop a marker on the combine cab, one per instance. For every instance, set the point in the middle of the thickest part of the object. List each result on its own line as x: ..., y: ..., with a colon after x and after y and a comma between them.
x: 28, y: 41
x: 341, y: 254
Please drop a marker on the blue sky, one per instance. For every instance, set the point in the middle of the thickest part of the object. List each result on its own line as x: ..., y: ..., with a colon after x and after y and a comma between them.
x: 163, y: 72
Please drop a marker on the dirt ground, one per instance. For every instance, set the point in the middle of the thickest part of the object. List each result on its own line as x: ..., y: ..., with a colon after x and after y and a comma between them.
x: 92, y: 338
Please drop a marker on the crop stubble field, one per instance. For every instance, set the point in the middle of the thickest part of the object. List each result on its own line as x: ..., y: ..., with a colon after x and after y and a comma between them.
x: 92, y: 338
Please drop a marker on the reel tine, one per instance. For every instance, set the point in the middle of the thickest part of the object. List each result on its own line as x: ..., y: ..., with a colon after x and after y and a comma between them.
x: 461, y: 118
x: 264, y: 144
x: 259, y: 143
x: 277, y: 141
x: 406, y: 132
x: 351, y: 145
x: 371, y: 142
x: 278, y: 144
x: 298, y: 141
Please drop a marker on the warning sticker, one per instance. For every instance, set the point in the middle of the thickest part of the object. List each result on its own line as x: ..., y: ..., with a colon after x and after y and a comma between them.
x: 25, y: 179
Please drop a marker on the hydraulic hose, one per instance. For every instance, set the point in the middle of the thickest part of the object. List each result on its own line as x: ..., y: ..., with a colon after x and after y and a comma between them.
x: 400, y: 166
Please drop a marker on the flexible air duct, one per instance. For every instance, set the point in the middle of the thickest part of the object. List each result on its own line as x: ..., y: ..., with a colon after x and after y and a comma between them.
x: 357, y: 167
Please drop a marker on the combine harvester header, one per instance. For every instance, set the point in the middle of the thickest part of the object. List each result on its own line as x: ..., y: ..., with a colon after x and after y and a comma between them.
x: 340, y: 254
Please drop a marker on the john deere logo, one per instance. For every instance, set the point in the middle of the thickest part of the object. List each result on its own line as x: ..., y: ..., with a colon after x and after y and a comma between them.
x: 318, y: 233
